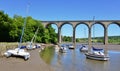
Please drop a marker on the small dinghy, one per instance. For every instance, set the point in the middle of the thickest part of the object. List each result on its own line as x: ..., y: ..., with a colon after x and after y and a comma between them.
x: 18, y: 52
x: 63, y: 49
x: 71, y: 46
x: 84, y: 48
x: 97, y: 54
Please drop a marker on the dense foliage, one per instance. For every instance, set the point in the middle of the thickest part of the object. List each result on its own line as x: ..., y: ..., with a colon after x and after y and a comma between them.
x: 11, y: 29
x: 5, y: 22
x: 66, y: 39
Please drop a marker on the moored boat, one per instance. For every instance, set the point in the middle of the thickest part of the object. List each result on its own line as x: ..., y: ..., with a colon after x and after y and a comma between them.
x: 63, y: 49
x: 84, y: 48
x: 97, y: 57
x: 18, y: 52
x: 71, y: 47
x: 97, y: 54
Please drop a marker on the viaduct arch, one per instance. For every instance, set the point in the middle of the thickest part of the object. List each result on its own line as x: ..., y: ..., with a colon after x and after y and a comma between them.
x: 89, y: 23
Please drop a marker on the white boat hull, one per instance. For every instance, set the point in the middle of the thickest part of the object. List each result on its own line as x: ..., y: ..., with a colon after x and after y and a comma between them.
x: 71, y: 47
x: 17, y: 52
x: 84, y: 49
x: 97, y: 57
x: 63, y: 49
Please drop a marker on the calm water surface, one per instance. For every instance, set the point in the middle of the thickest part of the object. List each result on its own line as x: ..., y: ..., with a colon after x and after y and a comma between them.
x: 74, y: 60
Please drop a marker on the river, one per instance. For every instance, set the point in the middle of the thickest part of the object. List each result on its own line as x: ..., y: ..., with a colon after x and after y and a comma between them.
x: 74, y: 60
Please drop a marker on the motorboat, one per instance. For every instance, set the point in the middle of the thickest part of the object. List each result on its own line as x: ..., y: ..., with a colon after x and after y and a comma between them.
x: 97, y: 54
x: 18, y: 52
x: 84, y: 48
x: 63, y: 49
x: 71, y: 47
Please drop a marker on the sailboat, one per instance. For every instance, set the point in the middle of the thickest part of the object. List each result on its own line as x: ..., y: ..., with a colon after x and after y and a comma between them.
x: 83, y: 47
x: 71, y: 46
x: 18, y: 51
x: 30, y: 45
x: 97, y: 54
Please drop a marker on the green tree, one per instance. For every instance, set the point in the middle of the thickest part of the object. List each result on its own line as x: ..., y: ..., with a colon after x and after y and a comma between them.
x: 5, y: 22
x: 11, y: 29
x: 16, y: 28
x: 52, y: 35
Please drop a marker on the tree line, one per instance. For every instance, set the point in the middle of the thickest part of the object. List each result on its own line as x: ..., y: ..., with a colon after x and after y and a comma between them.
x: 111, y: 39
x: 11, y: 29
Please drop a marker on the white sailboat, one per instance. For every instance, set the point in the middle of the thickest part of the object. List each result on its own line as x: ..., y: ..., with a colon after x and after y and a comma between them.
x: 97, y: 54
x: 30, y: 45
x: 18, y: 51
x: 84, y: 48
x: 71, y: 46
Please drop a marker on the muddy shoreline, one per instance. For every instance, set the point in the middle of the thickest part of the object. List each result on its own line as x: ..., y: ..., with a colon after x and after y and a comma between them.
x: 35, y: 63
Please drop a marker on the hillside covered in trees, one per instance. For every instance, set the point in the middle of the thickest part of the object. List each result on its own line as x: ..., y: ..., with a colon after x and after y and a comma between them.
x: 11, y: 29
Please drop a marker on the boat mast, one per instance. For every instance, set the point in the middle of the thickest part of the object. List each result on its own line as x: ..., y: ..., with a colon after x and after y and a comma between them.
x: 25, y: 20
x: 93, y: 27
x: 34, y: 37
x: 85, y: 33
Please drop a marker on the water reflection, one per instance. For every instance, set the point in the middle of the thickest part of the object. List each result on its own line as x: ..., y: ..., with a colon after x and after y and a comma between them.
x: 47, y: 54
x: 74, y: 60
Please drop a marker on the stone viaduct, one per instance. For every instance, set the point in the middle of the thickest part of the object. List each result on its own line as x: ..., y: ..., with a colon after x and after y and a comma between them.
x: 88, y: 23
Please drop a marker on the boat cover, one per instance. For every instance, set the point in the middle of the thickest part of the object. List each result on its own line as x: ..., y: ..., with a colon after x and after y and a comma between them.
x: 96, y: 49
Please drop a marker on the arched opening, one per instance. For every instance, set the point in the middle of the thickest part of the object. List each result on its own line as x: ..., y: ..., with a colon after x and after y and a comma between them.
x: 82, y: 33
x: 97, y: 33
x: 54, y: 26
x: 113, y: 33
x: 66, y: 33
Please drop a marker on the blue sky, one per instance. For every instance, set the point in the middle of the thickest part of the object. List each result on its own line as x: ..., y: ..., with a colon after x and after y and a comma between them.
x: 67, y: 10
